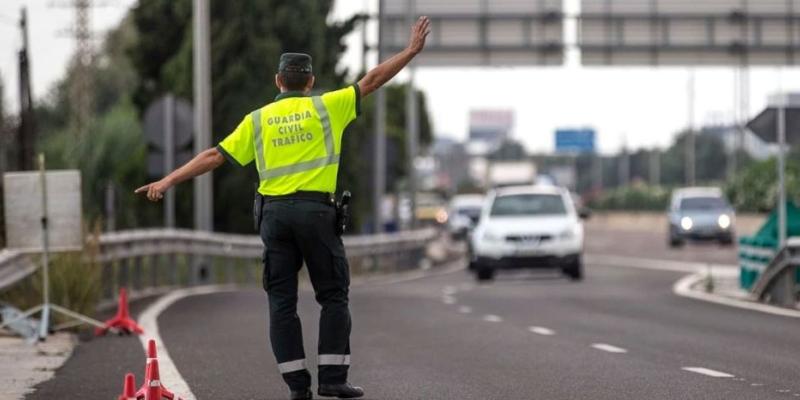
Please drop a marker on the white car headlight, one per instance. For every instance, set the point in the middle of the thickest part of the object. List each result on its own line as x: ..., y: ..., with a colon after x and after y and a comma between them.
x: 686, y: 223
x: 724, y: 221
x: 568, y: 233
x: 491, y: 237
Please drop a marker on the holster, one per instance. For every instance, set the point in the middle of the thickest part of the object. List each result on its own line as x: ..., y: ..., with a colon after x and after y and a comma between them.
x: 343, y: 213
x: 258, y: 211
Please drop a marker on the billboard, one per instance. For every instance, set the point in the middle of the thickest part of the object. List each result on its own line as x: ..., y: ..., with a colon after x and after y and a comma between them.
x: 689, y: 33
x: 479, y: 32
x: 490, y: 125
x: 575, y: 140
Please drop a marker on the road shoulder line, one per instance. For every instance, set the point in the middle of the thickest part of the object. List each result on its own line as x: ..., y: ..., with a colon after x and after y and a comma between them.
x: 149, y: 323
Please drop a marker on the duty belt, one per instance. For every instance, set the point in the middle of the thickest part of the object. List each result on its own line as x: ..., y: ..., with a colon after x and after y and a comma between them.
x: 322, y: 197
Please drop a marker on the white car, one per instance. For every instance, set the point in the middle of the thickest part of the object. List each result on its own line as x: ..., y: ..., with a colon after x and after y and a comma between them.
x: 528, y: 227
x: 463, y: 214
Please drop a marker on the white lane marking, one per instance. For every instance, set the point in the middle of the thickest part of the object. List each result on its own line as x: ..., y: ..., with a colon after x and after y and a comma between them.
x: 609, y: 348
x: 756, y: 384
x: 148, y: 320
x: 683, y: 288
x: 449, y: 290
x: 448, y: 299
x: 465, y: 309
x: 492, y: 318
x: 783, y: 390
x: 540, y: 330
x: 710, y: 372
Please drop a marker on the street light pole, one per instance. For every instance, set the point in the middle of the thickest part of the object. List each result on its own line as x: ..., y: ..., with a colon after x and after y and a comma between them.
x: 412, y: 127
x: 379, y: 178
x: 202, y: 113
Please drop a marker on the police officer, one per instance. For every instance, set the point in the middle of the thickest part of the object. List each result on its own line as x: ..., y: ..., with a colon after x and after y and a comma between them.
x: 295, y: 142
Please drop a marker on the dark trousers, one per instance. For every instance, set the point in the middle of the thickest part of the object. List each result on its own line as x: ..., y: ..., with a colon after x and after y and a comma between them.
x: 294, y: 231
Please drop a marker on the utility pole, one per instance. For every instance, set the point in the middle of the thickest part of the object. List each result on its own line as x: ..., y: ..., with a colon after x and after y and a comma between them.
x: 379, y: 177
x: 202, y: 113
x: 27, y: 127
x: 412, y: 126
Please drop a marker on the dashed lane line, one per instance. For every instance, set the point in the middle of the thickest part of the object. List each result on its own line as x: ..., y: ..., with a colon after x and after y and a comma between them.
x: 465, y: 310
x: 448, y: 299
x: 492, y: 318
x: 712, y: 373
x: 540, y: 330
x: 608, y: 348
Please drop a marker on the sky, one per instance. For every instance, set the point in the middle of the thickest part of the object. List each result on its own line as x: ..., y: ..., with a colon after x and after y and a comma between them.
x: 633, y: 107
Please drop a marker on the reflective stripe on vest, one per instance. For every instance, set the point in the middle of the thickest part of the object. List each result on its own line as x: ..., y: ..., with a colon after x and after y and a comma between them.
x: 265, y: 173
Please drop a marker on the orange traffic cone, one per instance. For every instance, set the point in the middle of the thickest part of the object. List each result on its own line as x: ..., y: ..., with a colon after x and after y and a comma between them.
x: 129, y: 390
x: 122, y: 321
x: 152, y: 388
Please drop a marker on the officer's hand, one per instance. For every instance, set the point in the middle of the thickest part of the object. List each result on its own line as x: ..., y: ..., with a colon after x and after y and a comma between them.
x: 154, y: 191
x: 419, y: 32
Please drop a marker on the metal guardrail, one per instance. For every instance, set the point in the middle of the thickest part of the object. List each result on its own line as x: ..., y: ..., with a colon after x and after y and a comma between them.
x: 14, y: 266
x: 779, y: 281
x: 151, y: 258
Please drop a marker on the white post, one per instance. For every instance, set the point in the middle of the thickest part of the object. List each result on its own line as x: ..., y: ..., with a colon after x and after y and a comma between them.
x: 44, y: 325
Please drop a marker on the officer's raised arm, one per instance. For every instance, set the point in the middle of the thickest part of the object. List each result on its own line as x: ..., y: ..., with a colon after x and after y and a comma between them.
x: 381, y: 74
x: 199, y: 165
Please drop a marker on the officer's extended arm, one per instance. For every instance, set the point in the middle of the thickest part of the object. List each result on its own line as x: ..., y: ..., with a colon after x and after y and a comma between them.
x: 389, y: 68
x: 199, y: 165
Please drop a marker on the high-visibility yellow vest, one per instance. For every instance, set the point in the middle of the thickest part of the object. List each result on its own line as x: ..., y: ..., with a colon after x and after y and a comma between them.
x: 295, y: 140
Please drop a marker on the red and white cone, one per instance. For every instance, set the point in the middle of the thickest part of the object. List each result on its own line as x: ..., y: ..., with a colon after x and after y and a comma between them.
x: 152, y: 388
x: 122, y: 321
x: 129, y: 390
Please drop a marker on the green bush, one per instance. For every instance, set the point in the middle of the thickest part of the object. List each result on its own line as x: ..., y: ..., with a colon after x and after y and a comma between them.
x: 755, y: 188
x: 637, y: 197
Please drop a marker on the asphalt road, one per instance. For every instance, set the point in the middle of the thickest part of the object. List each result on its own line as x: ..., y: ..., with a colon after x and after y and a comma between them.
x: 620, y: 334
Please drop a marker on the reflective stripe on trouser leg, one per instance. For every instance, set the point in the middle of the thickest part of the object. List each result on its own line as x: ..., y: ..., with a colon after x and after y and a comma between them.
x: 334, y: 359
x: 291, y: 366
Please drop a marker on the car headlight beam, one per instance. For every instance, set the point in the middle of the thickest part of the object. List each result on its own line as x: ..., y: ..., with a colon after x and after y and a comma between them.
x: 686, y: 223
x: 724, y: 221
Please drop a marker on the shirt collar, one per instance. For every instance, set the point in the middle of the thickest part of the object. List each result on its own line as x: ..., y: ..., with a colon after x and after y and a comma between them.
x: 291, y: 93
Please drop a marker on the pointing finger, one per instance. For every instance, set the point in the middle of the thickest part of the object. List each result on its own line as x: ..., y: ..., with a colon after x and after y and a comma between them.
x: 142, y: 189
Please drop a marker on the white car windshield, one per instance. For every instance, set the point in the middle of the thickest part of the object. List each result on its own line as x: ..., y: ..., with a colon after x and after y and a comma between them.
x: 703, y: 203
x: 528, y: 204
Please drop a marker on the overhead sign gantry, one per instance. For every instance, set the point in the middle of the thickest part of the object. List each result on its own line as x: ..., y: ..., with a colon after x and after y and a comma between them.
x: 690, y: 32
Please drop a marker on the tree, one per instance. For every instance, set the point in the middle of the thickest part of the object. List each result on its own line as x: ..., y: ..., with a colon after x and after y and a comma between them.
x: 247, y: 38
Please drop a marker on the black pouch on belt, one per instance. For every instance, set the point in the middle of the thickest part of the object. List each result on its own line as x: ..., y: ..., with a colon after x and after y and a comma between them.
x: 258, y: 210
x: 343, y: 212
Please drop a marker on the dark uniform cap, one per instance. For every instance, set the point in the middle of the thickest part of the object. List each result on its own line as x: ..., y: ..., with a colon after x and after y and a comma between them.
x: 295, y: 62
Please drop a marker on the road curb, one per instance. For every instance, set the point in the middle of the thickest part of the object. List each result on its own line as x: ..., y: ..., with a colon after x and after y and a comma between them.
x: 690, y: 286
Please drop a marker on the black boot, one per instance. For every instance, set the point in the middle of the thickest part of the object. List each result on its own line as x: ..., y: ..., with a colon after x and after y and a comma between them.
x: 304, y: 394
x: 341, y: 390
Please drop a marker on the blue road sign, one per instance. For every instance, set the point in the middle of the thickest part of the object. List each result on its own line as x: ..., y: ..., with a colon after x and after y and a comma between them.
x: 575, y: 140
